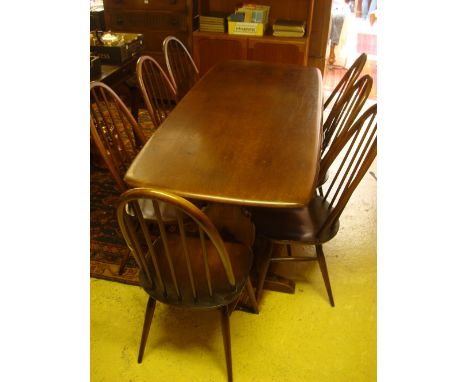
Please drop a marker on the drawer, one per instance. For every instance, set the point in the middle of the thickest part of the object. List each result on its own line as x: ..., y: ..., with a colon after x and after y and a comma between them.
x: 153, y: 39
x: 147, y: 5
x: 139, y: 21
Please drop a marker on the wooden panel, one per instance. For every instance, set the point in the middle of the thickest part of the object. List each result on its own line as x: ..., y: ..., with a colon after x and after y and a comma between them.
x: 287, y: 51
x: 319, y: 33
x: 158, y: 56
x: 153, y: 39
x: 318, y: 63
x: 145, y: 5
x: 139, y: 21
x: 210, y: 49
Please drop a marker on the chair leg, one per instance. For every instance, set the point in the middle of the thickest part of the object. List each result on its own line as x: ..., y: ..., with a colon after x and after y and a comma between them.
x: 251, y: 294
x: 323, y: 269
x: 226, y: 340
x: 146, y: 326
x: 288, y: 247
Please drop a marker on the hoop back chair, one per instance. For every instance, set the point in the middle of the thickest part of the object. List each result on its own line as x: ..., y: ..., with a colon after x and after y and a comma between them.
x: 318, y: 222
x: 114, y: 131
x: 342, y: 116
x: 192, y: 267
x: 117, y: 137
x: 347, y: 81
x: 156, y: 88
x: 180, y: 65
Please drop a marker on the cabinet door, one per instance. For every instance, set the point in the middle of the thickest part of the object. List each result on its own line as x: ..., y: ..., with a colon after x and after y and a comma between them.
x: 208, y: 50
x: 277, y: 50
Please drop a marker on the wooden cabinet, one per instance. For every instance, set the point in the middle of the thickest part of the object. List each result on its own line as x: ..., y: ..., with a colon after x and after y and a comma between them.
x: 210, y: 48
x: 155, y: 19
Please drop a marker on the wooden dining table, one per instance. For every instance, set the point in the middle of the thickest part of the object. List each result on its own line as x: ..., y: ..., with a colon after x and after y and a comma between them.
x: 248, y: 133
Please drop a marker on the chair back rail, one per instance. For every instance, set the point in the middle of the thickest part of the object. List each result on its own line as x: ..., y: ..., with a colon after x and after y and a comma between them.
x: 347, y: 81
x: 355, y: 149
x: 167, y: 257
x: 114, y: 131
x: 345, y: 111
x: 156, y: 88
x: 180, y: 65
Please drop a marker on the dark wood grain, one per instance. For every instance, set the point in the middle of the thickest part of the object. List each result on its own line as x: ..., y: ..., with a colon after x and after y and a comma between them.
x: 247, y: 133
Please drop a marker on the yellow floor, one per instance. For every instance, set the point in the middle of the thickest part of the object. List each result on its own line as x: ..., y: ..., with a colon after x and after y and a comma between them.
x: 296, y: 337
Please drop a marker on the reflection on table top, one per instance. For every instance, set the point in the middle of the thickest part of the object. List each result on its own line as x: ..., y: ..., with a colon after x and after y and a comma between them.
x: 247, y: 133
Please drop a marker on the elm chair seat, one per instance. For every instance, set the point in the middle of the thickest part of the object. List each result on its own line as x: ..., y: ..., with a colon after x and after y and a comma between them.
x: 241, y: 259
x: 297, y: 224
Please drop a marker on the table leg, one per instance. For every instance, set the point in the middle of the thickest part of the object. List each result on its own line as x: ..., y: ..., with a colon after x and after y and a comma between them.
x: 265, y: 278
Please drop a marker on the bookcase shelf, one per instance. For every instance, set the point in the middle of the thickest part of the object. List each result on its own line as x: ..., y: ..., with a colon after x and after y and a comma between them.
x: 210, y: 48
x: 266, y: 37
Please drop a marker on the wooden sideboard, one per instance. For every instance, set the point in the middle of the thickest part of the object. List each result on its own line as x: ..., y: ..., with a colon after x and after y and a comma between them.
x: 155, y: 19
x: 210, y: 48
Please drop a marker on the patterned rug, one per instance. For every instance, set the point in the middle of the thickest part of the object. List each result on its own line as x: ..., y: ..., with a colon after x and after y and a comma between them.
x: 107, y: 245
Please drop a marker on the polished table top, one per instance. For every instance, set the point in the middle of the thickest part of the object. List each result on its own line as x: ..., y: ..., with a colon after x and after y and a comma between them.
x: 247, y: 133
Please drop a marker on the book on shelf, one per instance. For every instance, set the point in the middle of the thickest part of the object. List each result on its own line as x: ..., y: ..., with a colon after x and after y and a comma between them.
x: 213, y: 22
x: 207, y: 28
x: 214, y: 17
x: 254, y: 13
x: 289, y: 25
x: 280, y: 33
x: 237, y: 17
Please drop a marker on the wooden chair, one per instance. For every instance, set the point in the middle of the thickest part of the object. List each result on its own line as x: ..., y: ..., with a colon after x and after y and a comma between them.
x: 115, y: 134
x: 180, y: 65
x: 114, y: 131
x: 342, y: 116
x: 318, y: 222
x: 347, y: 81
x: 192, y: 267
x: 156, y: 88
